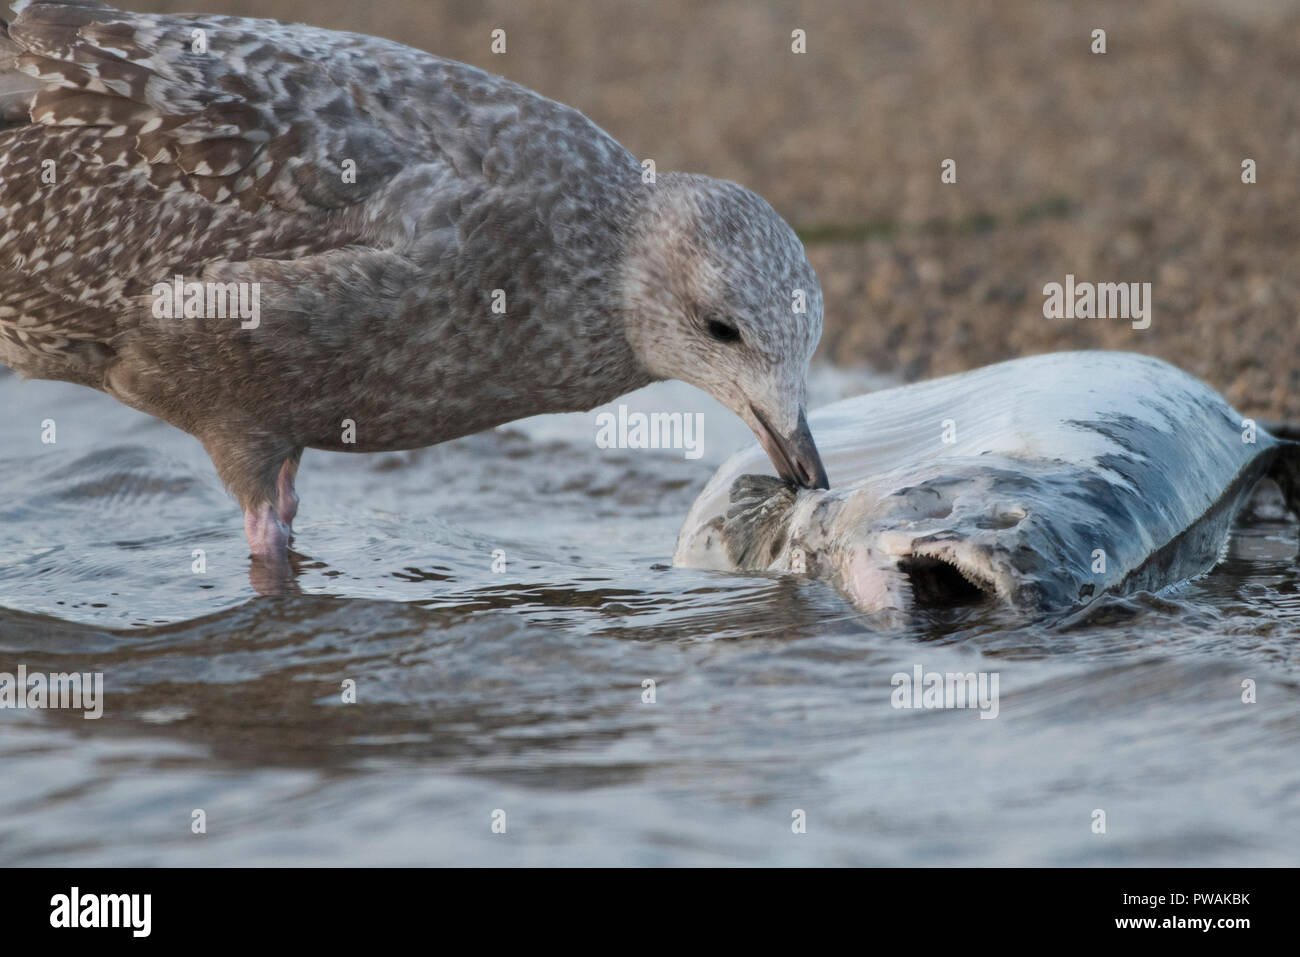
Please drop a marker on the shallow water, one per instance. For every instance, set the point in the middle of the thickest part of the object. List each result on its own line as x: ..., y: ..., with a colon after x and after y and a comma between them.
x: 520, y: 689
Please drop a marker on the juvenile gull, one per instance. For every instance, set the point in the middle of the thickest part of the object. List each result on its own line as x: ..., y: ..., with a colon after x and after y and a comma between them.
x: 136, y: 148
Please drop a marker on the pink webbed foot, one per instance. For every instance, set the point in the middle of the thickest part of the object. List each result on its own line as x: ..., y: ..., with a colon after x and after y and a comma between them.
x: 268, y: 540
x: 268, y: 534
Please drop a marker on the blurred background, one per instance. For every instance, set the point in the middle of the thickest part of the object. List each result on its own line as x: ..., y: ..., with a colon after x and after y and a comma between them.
x: 1116, y: 167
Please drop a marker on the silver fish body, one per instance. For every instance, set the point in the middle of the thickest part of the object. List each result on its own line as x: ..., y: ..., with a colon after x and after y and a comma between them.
x: 1041, y: 483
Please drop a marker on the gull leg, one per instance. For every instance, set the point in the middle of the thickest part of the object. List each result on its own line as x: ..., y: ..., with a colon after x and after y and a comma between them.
x: 287, y: 497
x: 261, y: 479
x: 269, y: 569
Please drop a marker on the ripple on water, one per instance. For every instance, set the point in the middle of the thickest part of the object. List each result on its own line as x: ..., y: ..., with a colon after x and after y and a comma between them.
x: 527, y: 688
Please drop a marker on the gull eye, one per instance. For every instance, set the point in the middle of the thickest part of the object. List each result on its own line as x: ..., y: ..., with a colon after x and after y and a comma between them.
x: 723, y: 331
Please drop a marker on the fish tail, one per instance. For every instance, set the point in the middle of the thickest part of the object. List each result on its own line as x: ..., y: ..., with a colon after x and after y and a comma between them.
x: 1283, y: 430
x: 1285, y: 470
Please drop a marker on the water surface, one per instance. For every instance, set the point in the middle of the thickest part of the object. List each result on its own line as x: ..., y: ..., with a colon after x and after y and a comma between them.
x: 499, y: 602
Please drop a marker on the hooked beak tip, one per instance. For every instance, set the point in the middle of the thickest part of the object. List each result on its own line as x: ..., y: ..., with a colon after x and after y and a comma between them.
x: 812, y: 475
x: 795, y: 456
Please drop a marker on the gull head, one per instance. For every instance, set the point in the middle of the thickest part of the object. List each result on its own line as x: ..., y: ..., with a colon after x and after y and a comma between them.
x: 717, y: 292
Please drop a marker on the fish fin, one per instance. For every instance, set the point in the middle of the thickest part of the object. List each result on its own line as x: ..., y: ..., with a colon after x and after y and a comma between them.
x: 755, y: 529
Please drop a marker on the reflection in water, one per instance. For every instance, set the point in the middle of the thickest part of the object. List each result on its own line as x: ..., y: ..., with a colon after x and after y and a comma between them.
x: 501, y: 604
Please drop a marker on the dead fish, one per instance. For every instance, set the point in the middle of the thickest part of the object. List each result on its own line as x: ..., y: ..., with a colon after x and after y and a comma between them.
x: 1040, y: 483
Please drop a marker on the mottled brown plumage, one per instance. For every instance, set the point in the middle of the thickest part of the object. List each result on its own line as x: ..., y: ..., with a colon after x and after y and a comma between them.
x: 228, y: 163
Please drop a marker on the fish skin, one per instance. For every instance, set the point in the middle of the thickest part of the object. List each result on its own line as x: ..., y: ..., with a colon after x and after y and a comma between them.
x: 1057, y: 458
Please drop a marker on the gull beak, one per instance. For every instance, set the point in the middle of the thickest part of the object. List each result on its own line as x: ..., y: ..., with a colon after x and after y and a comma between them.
x: 795, y: 456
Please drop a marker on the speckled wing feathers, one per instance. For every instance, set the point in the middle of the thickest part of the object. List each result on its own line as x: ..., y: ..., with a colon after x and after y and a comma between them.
x: 241, y: 116
x: 171, y: 160
x: 174, y: 161
x: 224, y: 162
